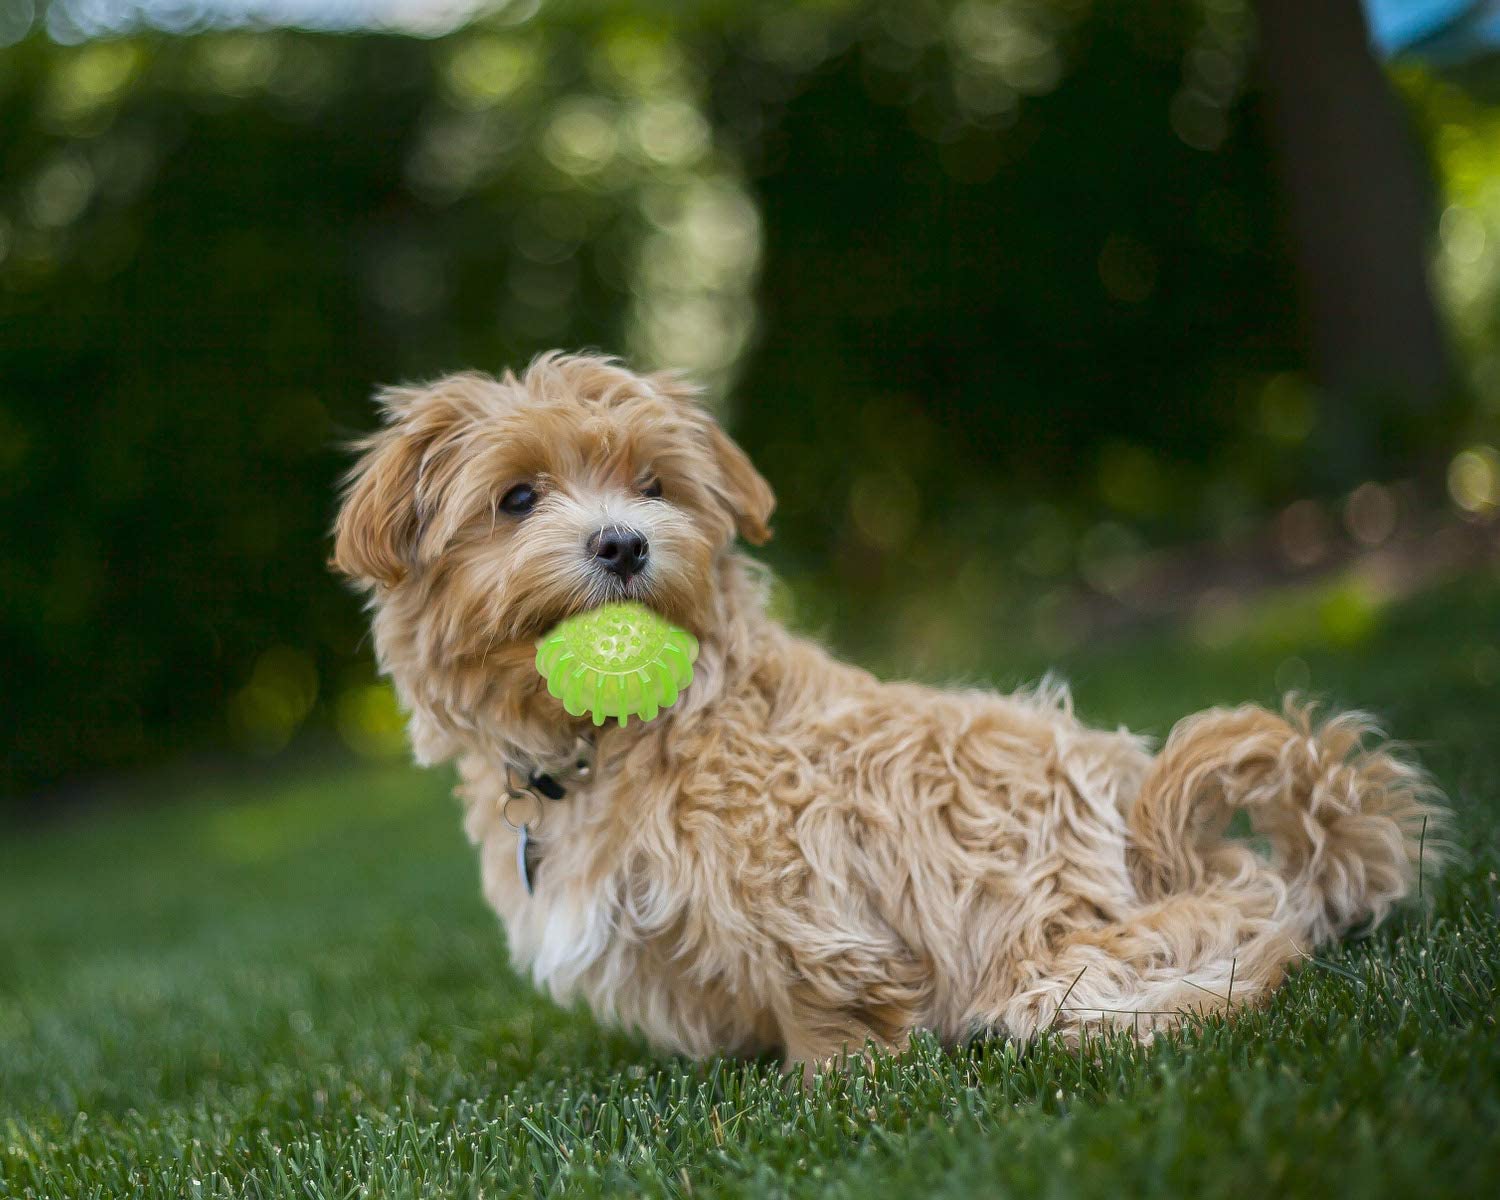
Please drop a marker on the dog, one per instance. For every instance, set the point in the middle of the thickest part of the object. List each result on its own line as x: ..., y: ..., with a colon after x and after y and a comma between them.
x: 798, y: 857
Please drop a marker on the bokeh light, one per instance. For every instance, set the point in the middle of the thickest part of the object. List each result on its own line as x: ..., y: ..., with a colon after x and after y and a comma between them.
x: 1474, y: 480
x: 371, y: 722
x: 265, y: 713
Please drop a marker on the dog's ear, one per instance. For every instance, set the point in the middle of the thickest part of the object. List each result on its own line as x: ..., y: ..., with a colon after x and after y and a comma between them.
x: 740, y: 488
x: 380, y: 521
x: 744, y: 490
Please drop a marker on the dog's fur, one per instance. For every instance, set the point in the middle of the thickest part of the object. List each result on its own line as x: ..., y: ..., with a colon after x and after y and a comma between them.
x: 798, y: 856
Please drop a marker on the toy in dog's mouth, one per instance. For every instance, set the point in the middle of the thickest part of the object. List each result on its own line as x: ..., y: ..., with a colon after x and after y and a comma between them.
x: 619, y: 660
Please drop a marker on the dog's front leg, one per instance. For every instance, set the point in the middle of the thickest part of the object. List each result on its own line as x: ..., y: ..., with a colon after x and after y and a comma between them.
x: 811, y: 1053
x: 816, y: 1038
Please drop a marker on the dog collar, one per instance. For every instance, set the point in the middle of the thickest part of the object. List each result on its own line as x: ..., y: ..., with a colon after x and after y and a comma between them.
x: 529, y: 781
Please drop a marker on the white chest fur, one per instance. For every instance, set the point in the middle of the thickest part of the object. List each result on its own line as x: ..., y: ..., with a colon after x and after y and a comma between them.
x: 561, y: 932
x: 580, y: 936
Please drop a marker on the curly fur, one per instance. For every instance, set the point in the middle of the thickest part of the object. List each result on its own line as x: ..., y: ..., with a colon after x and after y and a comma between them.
x: 799, y: 856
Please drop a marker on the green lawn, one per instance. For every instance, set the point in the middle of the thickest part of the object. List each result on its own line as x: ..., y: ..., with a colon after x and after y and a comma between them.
x: 285, y: 984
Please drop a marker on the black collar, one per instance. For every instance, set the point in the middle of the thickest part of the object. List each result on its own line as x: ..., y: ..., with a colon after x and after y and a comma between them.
x: 543, y: 786
x: 546, y: 785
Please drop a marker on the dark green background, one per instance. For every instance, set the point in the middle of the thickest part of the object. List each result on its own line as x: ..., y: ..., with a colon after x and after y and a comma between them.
x: 977, y: 333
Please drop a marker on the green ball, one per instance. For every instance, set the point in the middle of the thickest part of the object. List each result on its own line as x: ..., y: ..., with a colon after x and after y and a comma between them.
x: 620, y: 660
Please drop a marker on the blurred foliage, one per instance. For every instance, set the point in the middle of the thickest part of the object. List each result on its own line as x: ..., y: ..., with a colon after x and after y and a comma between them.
x: 1023, y: 267
x: 998, y: 287
x: 1463, y: 131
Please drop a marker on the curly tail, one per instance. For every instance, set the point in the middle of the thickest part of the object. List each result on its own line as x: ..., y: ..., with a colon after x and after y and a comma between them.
x: 1349, y: 822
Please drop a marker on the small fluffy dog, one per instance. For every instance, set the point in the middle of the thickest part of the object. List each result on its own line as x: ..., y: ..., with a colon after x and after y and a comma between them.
x: 798, y: 856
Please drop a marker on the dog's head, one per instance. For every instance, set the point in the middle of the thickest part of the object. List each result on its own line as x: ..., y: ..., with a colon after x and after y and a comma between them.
x: 498, y: 507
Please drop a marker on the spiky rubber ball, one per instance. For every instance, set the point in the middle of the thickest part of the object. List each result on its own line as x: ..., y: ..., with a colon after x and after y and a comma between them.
x: 619, y: 660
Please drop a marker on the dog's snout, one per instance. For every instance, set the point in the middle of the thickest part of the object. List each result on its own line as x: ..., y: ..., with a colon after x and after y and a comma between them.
x: 622, y: 551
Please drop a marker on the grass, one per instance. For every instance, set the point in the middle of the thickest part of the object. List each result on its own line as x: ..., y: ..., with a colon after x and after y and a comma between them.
x: 288, y: 986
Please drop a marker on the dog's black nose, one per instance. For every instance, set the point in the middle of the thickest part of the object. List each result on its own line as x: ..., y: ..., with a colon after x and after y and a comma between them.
x: 622, y: 551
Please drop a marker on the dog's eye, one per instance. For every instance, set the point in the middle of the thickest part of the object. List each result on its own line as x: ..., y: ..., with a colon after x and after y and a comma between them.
x: 520, y: 500
x: 651, y: 489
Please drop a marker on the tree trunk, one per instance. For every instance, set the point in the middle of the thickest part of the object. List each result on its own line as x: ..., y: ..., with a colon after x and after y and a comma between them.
x: 1358, y: 205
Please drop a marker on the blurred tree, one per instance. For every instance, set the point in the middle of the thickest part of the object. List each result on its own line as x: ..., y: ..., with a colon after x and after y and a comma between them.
x: 1012, y: 254
x: 1360, y: 206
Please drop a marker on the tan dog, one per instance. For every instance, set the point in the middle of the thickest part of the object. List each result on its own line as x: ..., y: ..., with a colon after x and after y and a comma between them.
x: 797, y: 855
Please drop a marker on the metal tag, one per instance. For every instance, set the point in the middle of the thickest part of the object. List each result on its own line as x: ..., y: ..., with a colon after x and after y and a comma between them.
x: 523, y: 866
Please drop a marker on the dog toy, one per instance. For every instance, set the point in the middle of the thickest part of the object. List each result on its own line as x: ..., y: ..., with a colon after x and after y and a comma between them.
x: 620, y: 660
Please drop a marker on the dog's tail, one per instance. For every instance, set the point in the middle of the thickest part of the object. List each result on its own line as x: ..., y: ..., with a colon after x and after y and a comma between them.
x: 1351, y: 825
